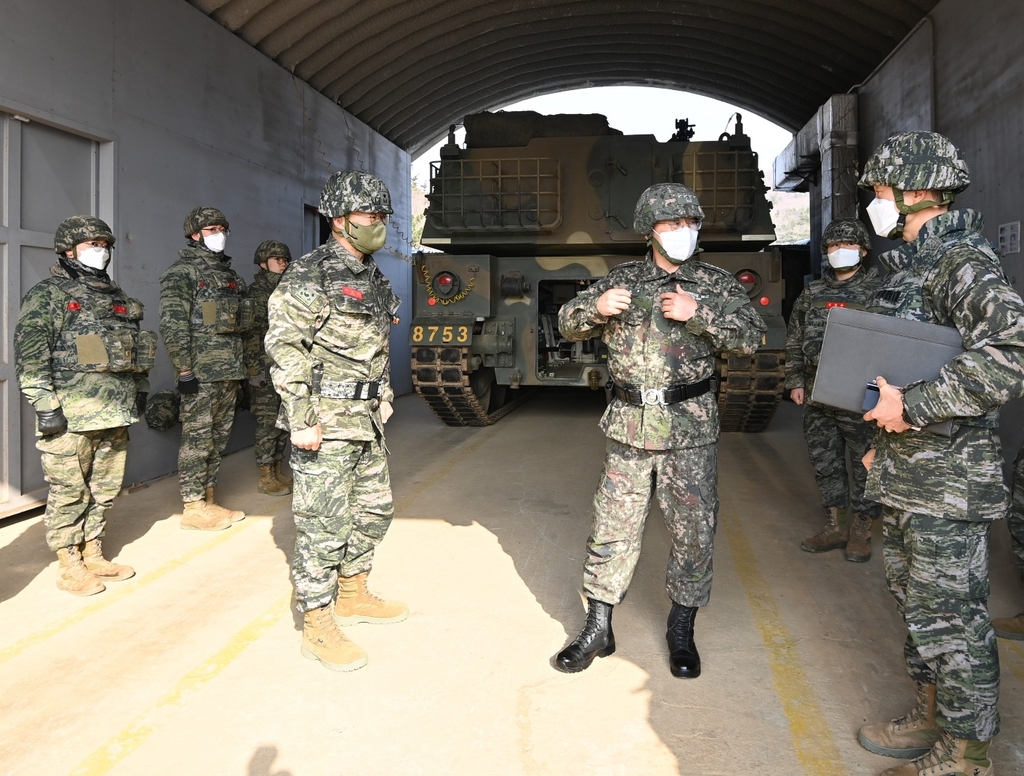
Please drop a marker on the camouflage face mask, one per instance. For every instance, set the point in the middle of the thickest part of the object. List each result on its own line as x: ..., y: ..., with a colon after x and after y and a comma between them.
x: 365, y: 239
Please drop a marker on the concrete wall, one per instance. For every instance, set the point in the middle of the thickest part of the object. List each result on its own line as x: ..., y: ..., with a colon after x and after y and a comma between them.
x: 188, y: 114
x: 961, y: 73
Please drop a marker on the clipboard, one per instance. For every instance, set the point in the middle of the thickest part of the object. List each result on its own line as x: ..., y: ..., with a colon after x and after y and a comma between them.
x: 859, y: 346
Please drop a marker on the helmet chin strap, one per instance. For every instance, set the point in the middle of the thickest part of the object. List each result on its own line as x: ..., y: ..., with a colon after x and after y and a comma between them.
x: 905, y: 209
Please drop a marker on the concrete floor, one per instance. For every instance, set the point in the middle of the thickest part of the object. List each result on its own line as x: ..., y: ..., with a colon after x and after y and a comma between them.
x: 193, y: 666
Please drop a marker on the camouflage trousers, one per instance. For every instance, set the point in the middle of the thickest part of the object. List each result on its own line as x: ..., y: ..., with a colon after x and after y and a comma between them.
x: 829, y: 433
x: 343, y: 507
x: 937, y: 570
x: 85, y: 471
x: 206, y: 419
x: 1015, y: 519
x: 686, y: 481
x: 271, y: 441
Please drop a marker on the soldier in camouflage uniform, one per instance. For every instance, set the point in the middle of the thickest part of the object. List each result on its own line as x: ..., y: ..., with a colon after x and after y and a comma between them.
x: 940, y: 494
x: 663, y: 320
x: 1013, y: 627
x: 829, y: 432
x: 329, y: 322
x: 203, y: 314
x: 273, y: 258
x: 82, y: 361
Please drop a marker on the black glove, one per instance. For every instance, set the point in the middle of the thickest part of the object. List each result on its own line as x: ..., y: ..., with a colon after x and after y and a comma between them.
x: 50, y: 422
x: 188, y: 384
x: 140, y: 402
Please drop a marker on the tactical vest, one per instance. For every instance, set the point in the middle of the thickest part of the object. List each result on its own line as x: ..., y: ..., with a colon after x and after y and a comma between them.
x: 101, y: 332
x: 219, y: 306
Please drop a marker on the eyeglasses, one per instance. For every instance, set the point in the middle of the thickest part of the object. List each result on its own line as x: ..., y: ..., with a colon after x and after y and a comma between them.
x: 368, y: 219
x: 215, y: 229
x: 681, y: 223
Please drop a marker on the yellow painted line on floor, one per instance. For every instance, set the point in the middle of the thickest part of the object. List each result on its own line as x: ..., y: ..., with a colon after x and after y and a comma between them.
x: 143, y: 726
x: 117, y: 590
x: 1011, y: 655
x: 812, y: 738
x: 435, y: 476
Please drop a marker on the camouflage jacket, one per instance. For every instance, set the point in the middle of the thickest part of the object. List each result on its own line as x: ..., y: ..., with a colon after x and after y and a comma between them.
x: 203, y: 314
x: 951, y: 275
x: 256, y: 361
x: 647, y: 350
x: 77, y: 346
x: 329, y: 322
x: 810, y: 313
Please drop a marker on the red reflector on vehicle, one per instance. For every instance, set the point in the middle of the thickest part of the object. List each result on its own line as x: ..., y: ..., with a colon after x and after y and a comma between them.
x: 431, y: 301
x: 746, y: 278
x: 765, y: 301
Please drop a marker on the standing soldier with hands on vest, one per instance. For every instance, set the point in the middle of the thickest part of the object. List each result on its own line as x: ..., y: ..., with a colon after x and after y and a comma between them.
x: 82, y: 362
x: 272, y: 257
x: 330, y: 319
x: 203, y: 315
x: 663, y: 319
x: 828, y: 431
x: 940, y: 494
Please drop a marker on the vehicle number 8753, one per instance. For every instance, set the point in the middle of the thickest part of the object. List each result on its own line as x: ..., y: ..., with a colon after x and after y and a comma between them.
x: 440, y: 334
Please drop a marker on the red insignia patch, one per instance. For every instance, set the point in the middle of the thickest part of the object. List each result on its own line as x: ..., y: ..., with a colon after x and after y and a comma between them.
x: 232, y: 285
x: 120, y: 309
x: 202, y: 284
x: 74, y: 306
x: 830, y: 305
x: 355, y: 293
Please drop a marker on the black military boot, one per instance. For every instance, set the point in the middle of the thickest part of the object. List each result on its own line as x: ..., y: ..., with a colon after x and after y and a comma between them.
x: 595, y: 640
x: 682, y: 652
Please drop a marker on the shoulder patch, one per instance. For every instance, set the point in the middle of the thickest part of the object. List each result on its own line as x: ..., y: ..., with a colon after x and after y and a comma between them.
x: 310, y: 297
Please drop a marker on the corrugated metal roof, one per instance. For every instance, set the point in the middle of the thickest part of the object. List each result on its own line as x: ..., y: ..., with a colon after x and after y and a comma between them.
x: 409, y: 68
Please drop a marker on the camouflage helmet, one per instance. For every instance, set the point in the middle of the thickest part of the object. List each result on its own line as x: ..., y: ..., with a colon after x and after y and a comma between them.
x: 268, y: 249
x: 162, y: 410
x: 664, y: 202
x: 351, y: 191
x: 202, y: 217
x: 917, y: 161
x: 845, y: 230
x: 79, y: 229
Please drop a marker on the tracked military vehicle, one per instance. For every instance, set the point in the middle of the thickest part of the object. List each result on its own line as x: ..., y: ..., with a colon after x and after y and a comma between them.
x: 532, y: 211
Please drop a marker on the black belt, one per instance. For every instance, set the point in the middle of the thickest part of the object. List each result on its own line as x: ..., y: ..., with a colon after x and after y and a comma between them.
x: 671, y: 395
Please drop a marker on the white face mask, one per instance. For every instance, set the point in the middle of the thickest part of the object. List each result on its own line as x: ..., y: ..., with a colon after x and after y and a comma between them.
x: 843, y: 258
x: 679, y: 244
x: 95, y: 258
x: 215, y: 242
x: 884, y: 217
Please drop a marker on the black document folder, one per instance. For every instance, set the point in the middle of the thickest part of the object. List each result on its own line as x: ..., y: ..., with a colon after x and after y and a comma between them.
x: 860, y: 346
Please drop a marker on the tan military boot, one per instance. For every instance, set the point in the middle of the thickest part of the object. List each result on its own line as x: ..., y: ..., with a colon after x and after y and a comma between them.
x: 232, y: 514
x: 321, y: 640
x: 832, y: 536
x: 74, y: 576
x: 912, y: 735
x: 270, y: 485
x: 858, y: 548
x: 101, y: 567
x: 1010, y: 627
x: 282, y: 477
x: 198, y: 516
x: 356, y: 604
x: 949, y: 757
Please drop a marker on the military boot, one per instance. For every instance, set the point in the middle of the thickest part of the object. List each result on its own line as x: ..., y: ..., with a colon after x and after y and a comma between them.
x: 949, y: 757
x: 101, y: 567
x: 595, y: 640
x: 232, y: 514
x: 683, y: 659
x: 912, y: 735
x: 356, y: 604
x: 832, y: 536
x: 858, y: 548
x: 1010, y: 627
x: 74, y: 576
x: 321, y: 640
x: 282, y: 477
x: 198, y: 516
x: 270, y: 485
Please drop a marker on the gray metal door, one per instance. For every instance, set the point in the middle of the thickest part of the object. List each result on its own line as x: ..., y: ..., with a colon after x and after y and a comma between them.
x: 46, y: 175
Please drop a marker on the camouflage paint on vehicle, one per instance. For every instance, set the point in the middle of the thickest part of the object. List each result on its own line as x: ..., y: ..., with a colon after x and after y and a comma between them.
x: 535, y: 209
